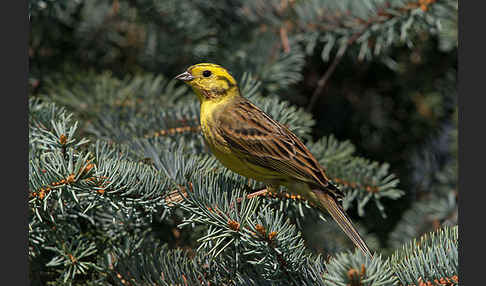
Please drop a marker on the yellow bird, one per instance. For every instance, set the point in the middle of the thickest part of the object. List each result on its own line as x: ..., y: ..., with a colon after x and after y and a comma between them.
x: 249, y: 142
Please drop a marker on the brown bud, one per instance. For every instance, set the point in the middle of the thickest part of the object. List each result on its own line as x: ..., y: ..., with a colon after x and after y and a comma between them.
x: 354, y: 277
x: 88, y: 168
x: 62, y: 139
x: 42, y: 194
x: 234, y: 225
x: 70, y: 179
x: 261, y: 230
x: 272, y: 234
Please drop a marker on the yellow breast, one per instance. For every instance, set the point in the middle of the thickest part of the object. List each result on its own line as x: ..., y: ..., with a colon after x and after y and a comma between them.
x: 222, y: 151
x: 218, y: 145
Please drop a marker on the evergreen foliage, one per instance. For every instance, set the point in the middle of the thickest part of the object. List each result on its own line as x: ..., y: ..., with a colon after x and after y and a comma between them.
x: 123, y: 190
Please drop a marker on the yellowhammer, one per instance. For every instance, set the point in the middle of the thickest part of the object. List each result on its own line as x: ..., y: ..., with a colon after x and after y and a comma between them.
x: 248, y: 141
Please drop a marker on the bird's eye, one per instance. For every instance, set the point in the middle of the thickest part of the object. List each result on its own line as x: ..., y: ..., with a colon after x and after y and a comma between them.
x: 206, y: 73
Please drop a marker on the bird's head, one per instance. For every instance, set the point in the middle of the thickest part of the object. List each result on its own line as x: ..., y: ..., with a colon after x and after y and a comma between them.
x: 209, y: 81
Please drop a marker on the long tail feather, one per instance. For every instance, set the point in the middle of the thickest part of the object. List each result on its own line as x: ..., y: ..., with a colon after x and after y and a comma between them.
x: 338, y: 214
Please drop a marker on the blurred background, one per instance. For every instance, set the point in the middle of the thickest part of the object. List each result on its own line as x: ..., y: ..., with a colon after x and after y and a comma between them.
x: 381, y: 74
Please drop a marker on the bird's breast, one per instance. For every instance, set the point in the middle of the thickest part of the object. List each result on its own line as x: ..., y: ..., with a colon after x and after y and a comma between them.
x: 229, y: 158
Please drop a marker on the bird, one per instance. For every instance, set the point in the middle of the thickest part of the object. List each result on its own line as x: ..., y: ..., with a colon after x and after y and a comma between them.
x: 249, y: 142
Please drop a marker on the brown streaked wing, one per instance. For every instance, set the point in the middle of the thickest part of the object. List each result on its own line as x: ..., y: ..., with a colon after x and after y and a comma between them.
x: 260, y: 140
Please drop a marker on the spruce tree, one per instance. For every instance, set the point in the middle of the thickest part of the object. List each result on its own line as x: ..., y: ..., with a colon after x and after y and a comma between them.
x: 123, y: 190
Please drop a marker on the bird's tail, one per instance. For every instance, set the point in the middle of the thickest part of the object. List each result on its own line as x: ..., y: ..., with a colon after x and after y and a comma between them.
x: 338, y: 214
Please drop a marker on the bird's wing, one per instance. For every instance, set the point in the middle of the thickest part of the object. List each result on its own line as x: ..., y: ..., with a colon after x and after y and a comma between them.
x: 258, y: 139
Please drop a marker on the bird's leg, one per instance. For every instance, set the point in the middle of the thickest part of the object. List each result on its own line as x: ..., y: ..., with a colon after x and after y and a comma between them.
x: 263, y: 191
x: 257, y: 193
x: 260, y: 192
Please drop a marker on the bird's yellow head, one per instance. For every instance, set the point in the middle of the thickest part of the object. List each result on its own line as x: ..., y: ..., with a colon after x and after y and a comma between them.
x: 209, y: 81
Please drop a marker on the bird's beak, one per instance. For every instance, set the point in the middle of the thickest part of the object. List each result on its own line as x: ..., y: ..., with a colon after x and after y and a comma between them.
x: 185, y: 76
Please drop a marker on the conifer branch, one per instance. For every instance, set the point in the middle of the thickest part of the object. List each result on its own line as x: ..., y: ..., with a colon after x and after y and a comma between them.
x: 433, y: 257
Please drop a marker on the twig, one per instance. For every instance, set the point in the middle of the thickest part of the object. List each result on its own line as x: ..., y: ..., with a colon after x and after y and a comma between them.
x: 285, y: 39
x: 323, y: 80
